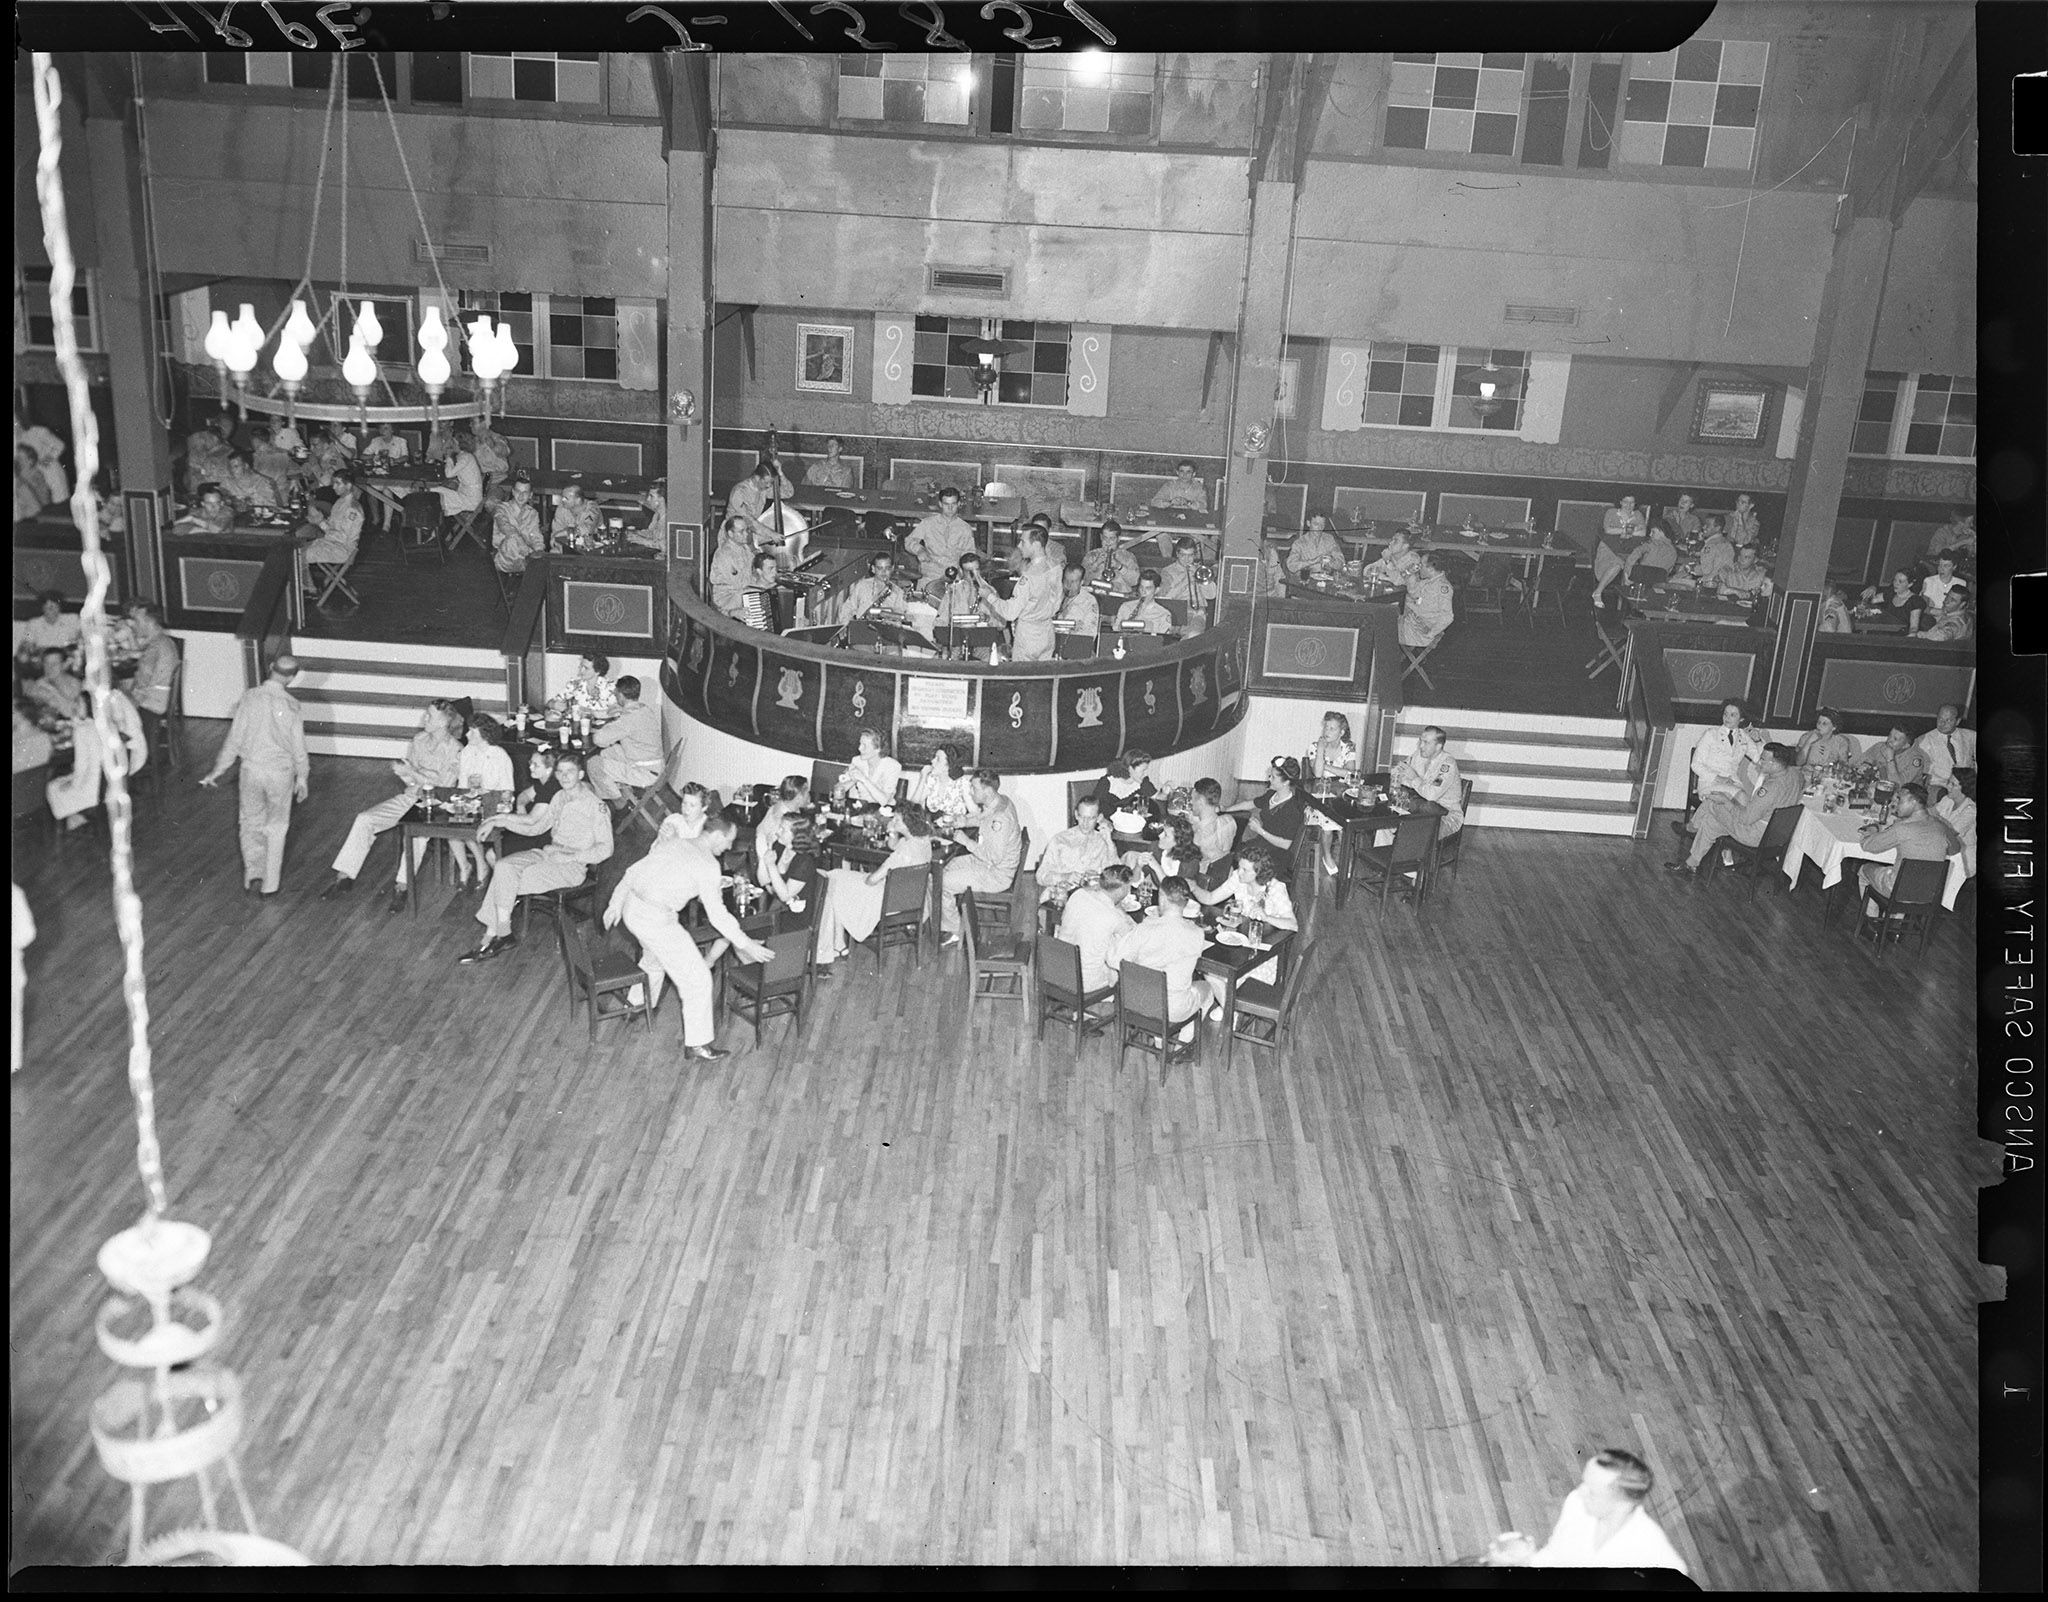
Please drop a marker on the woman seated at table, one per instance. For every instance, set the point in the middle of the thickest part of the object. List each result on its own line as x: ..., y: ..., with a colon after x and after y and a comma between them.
x: 1127, y: 785
x: 780, y: 867
x: 1279, y: 815
x: 1075, y: 854
x: 71, y: 795
x: 1652, y: 561
x: 1620, y: 527
x: 56, y: 694
x: 1725, y: 756
x: 1955, y: 623
x: 1179, y: 857
x: 1825, y: 743
x: 1834, y: 612
x: 1681, y: 521
x: 1332, y: 760
x: 210, y: 514
x: 485, y: 767
x: 1254, y: 888
x: 850, y: 903
x: 871, y: 776
x: 940, y: 786
x: 591, y: 682
x: 1317, y: 550
x: 1958, y: 809
x: 1901, y: 605
x: 52, y: 628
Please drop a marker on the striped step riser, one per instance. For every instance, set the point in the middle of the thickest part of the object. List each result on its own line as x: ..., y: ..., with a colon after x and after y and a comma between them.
x: 1574, y: 788
x: 1531, y: 725
x: 407, y: 698
x: 1566, y: 758
x: 423, y: 682
x: 320, y: 743
x: 375, y: 652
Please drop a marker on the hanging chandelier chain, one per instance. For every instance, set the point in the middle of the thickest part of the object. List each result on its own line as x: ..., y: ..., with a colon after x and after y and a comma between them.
x: 93, y: 624
x: 344, y: 195
x: 305, y: 283
x: 405, y: 170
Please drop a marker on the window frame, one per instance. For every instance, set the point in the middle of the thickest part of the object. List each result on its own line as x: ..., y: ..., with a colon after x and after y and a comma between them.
x: 1630, y: 61
x: 601, y: 107
x: 398, y: 83
x: 541, y: 344
x: 1511, y: 158
x: 1442, y: 398
x: 990, y: 329
x: 89, y: 333
x: 1902, y: 420
x: 1084, y: 136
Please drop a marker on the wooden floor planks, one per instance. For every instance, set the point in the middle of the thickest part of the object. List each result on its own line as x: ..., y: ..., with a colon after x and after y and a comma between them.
x: 1577, y: 1158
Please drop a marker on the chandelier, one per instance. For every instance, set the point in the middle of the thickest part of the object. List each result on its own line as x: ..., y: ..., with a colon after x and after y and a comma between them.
x: 236, y: 348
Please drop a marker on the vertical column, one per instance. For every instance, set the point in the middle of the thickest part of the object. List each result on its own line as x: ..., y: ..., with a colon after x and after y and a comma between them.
x: 1834, y: 392
x: 689, y: 299
x: 141, y: 444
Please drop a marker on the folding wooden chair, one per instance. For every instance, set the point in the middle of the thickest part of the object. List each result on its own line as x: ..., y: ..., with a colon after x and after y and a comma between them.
x: 331, y: 579
x: 1416, y: 655
x: 1611, y: 655
x: 471, y: 526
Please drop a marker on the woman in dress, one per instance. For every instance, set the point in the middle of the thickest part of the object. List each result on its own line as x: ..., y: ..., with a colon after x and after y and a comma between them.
x: 1255, y: 888
x: 1126, y: 787
x: 871, y: 776
x: 1279, y: 816
x: 52, y: 628
x: 851, y: 902
x: 1180, y: 857
x: 484, y: 768
x: 1332, y: 757
x: 941, y: 784
x: 1620, y: 528
x: 1901, y: 604
x: 780, y: 867
x: 591, y: 682
x: 1825, y: 743
x: 1958, y: 809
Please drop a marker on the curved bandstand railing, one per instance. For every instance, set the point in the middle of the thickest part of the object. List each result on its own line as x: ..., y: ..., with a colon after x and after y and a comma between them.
x: 811, y: 699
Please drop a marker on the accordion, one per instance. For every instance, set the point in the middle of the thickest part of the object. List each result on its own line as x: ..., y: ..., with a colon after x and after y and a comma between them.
x: 757, y: 612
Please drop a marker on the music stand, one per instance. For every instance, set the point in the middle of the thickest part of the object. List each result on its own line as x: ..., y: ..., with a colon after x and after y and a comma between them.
x: 872, y: 631
x: 975, y: 637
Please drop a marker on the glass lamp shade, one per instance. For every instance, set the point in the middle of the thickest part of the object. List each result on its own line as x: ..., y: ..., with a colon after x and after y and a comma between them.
x: 359, y: 368
x: 434, y: 370
x: 298, y: 327
x: 432, y: 335
x: 368, y: 331
x: 218, y: 337
x: 508, y: 350
x: 289, y: 363
x: 483, y: 350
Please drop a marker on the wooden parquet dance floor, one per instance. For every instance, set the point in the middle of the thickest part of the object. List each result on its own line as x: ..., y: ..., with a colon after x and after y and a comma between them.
x: 1579, y: 1157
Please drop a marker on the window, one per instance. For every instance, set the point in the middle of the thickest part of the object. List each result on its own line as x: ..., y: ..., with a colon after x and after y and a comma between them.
x: 906, y: 91
x: 437, y: 77
x: 1090, y: 92
x: 1930, y: 415
x: 1695, y: 106
x: 1437, y: 386
x: 1467, y: 103
x: 34, y: 323
x: 583, y: 337
x: 394, y: 316
x: 513, y: 308
x: 561, y: 78
x: 299, y: 69
x: 1035, y: 376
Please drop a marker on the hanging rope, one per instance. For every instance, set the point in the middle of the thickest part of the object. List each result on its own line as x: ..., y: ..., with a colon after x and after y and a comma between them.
x: 305, y: 283
x: 86, y: 435
x: 405, y: 169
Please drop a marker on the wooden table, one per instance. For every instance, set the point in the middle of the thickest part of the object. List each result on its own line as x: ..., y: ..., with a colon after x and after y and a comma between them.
x: 1355, y: 817
x: 1147, y: 523
x: 430, y: 819
x: 1691, y: 606
x: 1832, y: 839
x: 1232, y: 963
x: 1533, y: 552
x: 616, y: 487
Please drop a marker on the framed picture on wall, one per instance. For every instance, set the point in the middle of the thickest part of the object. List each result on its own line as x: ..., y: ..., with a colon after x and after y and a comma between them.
x: 824, y: 358
x: 1731, y: 414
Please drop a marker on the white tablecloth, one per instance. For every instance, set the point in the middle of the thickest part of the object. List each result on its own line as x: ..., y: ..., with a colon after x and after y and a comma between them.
x: 1829, y: 839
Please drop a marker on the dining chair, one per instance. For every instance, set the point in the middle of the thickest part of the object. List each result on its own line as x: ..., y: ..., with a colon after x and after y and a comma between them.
x: 1768, y: 854
x: 998, y: 959
x: 1406, y: 857
x: 1063, y: 997
x: 1262, y: 1014
x: 419, y: 527
x: 1914, y: 898
x: 1450, y: 848
x: 903, y: 914
x: 601, y: 981
x: 1547, y: 591
x: 558, y: 904
x: 758, y: 991
x: 1142, y: 1023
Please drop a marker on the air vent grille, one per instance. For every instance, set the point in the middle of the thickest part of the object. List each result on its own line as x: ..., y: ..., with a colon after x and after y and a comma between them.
x: 983, y: 281
x: 467, y: 255
x: 1566, y: 315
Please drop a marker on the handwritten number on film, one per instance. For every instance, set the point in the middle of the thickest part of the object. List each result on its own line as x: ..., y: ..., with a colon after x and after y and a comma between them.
x: 295, y: 33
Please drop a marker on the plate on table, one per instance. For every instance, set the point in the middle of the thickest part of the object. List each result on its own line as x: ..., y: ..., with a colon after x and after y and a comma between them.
x: 1232, y: 937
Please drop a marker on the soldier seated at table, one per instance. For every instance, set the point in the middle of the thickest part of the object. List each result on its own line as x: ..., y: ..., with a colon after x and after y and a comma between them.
x: 1075, y: 854
x: 1744, y: 819
x: 1895, y: 759
x: 209, y: 513
x: 628, y: 747
x: 1172, y: 943
x: 1398, y: 563
x: 1916, y: 832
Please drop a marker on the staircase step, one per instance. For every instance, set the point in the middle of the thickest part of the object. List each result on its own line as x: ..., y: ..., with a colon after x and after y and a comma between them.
x: 1535, y: 724
x: 401, y: 668
x: 1561, y: 818
x: 462, y: 656
x: 1543, y: 803
x: 1472, y: 755
x: 404, y: 701
x: 1458, y: 735
x: 1577, y: 787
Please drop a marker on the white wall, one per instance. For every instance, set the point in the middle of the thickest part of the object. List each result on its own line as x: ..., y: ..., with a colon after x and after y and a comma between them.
x: 1276, y: 727
x: 724, y: 762
x: 213, y: 673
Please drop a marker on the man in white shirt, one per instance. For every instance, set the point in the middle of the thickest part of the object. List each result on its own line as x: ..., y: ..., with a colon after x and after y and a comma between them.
x: 940, y: 539
x: 1094, y: 919
x: 387, y: 448
x: 1034, y: 601
x: 1601, y: 1526
x: 1947, y: 746
x: 268, y: 736
x: 1144, y: 614
x: 629, y: 747
x: 1078, y: 606
x: 1938, y: 583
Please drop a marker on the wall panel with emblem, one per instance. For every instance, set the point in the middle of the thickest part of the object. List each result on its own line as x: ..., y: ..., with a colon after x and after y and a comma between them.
x: 1316, y: 649
x: 614, y: 604
x: 812, y: 701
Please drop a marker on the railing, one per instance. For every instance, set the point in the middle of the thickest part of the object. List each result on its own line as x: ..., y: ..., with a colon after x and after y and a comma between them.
x: 271, y: 613
x: 524, y: 646
x: 1646, y: 710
